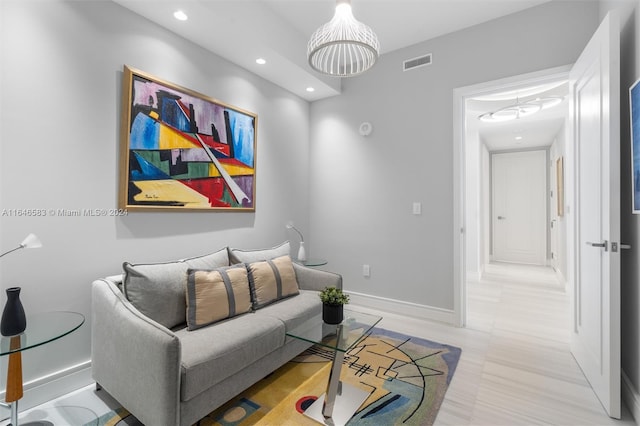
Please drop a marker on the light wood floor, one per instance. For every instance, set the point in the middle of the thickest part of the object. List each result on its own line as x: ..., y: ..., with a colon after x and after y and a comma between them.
x: 516, y: 367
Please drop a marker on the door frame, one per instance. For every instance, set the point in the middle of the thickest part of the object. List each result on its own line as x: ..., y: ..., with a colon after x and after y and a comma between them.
x: 460, y: 96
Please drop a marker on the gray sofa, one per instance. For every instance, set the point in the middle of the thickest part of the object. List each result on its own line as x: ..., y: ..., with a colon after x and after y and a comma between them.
x: 167, y: 374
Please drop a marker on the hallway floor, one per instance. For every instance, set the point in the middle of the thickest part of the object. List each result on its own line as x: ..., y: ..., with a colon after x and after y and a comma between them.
x: 520, y: 370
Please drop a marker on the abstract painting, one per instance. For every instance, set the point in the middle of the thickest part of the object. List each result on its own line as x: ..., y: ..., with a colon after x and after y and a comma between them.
x: 634, y: 100
x: 181, y: 150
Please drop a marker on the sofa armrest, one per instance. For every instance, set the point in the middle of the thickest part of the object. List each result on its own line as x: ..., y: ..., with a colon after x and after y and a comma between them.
x: 316, y: 279
x: 134, y: 359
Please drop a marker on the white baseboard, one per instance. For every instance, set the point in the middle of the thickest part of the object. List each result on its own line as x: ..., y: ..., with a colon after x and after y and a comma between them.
x: 402, y: 308
x: 630, y: 397
x: 51, y: 386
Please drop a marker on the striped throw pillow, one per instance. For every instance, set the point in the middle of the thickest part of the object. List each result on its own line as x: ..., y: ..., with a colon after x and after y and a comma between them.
x: 272, y: 280
x: 214, y: 295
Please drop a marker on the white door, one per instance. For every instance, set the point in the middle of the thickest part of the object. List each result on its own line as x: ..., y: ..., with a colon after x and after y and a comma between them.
x: 519, y: 207
x: 594, y: 109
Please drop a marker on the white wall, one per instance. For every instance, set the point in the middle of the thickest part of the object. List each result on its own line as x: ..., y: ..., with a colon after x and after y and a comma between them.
x: 363, y: 188
x: 60, y: 108
x: 485, y: 213
x: 472, y: 203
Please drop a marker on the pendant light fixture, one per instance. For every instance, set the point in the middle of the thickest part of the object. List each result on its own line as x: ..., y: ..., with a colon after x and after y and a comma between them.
x: 343, y: 47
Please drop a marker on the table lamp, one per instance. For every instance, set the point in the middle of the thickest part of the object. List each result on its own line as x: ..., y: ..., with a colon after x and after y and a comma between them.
x: 302, y: 255
x: 13, y: 320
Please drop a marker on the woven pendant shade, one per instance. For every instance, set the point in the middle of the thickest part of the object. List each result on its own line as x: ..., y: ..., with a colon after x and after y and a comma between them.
x: 343, y: 47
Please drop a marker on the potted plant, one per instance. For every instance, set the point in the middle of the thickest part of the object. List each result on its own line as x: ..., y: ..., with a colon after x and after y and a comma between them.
x: 333, y: 301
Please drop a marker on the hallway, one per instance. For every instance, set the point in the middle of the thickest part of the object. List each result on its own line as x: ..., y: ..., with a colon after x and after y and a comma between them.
x: 529, y: 375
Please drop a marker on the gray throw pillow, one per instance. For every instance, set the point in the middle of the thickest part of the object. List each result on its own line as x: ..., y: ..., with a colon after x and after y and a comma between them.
x: 158, y: 289
x: 256, y: 255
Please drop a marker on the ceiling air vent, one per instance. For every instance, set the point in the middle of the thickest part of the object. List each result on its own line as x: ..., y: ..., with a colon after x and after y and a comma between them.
x: 420, y: 61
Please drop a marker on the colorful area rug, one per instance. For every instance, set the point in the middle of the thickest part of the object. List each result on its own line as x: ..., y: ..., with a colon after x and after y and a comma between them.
x: 406, y: 378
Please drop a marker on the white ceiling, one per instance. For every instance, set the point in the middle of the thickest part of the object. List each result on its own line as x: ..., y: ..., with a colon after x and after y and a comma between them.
x: 278, y: 30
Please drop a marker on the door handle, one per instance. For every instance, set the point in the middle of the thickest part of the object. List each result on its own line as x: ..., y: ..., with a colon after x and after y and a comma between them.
x: 603, y: 245
x: 501, y: 218
x: 614, y: 247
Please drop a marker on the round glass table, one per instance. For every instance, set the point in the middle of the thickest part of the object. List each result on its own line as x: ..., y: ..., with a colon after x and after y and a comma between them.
x: 312, y: 262
x: 41, y: 329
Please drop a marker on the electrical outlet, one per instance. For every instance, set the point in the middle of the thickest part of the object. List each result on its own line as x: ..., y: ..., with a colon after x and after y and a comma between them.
x: 366, y: 270
x: 417, y: 208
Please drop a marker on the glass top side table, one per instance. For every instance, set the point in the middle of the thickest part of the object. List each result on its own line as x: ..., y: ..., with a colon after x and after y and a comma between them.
x: 41, y: 329
x: 311, y: 262
x: 341, y: 400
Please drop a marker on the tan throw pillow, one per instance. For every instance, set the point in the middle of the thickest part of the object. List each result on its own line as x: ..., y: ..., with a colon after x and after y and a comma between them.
x: 272, y: 280
x: 214, y: 295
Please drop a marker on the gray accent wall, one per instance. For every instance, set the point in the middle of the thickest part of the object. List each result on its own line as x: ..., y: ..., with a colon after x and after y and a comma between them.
x: 60, y: 86
x: 364, y: 187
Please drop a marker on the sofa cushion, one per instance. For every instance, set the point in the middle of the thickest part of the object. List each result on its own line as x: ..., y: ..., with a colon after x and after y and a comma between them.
x: 213, y: 295
x: 272, y: 280
x: 213, y: 353
x: 294, y: 310
x: 157, y: 289
x: 248, y: 256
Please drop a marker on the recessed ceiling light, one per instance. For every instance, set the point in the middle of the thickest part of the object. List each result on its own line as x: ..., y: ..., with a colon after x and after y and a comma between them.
x: 310, y: 89
x: 180, y: 15
x: 261, y: 61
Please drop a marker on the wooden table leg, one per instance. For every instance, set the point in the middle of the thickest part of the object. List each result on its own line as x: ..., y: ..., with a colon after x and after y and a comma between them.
x: 14, y: 379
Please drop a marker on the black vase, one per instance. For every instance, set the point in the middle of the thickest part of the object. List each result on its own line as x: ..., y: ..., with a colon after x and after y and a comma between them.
x: 13, y: 320
x: 332, y: 314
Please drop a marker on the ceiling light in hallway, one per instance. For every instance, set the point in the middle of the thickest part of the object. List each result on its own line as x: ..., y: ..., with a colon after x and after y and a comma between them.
x: 520, y: 109
x: 180, y: 15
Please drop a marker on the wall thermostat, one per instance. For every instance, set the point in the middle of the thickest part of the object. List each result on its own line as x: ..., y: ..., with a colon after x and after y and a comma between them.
x: 366, y: 128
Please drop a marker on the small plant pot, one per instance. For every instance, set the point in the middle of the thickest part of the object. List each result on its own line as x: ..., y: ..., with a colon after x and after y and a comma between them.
x: 332, y: 314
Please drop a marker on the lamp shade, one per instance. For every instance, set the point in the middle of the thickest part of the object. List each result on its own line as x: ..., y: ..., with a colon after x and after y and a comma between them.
x: 31, y: 241
x: 344, y: 46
